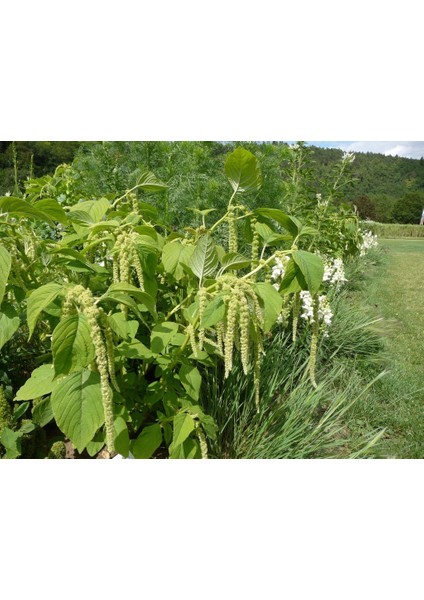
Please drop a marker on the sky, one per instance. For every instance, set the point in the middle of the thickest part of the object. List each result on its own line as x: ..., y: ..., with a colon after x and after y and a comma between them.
x: 407, y: 149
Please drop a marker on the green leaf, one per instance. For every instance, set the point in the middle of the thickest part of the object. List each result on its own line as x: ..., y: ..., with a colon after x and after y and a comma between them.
x: 234, y: 260
x: 95, y: 209
x: 11, y: 440
x: 22, y: 209
x: 148, y: 182
x: 9, y: 323
x: 5, y: 265
x: 293, y: 280
x: 291, y: 224
x: 42, y: 413
x: 77, y: 407
x: 124, y: 329
x: 191, y: 380
x: 96, y: 443
x: 188, y: 450
x: 204, y: 260
x: 121, y: 298
x: 147, y: 442
x: 72, y: 346
x: 122, y: 438
x: 53, y: 209
x: 134, y: 292
x: 264, y: 231
x: 214, y: 312
x: 312, y: 268
x: 20, y: 410
x: 272, y: 301
x: 134, y: 349
x: 39, y: 300
x: 161, y: 336
x: 183, y: 426
x: 174, y: 255
x: 243, y: 171
x: 39, y: 384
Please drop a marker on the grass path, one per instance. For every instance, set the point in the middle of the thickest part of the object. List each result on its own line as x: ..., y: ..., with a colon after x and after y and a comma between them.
x: 395, y: 291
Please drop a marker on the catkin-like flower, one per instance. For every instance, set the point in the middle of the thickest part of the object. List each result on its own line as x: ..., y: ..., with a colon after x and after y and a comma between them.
x: 102, y: 366
x: 83, y: 298
x: 203, y: 298
x: 220, y: 333
x: 230, y: 333
x: 257, y: 377
x: 192, y: 339
x: 314, y: 342
x: 255, y: 244
x: 138, y: 269
x: 232, y: 231
x: 244, y: 321
x: 296, y: 309
x: 110, y: 349
x: 115, y: 269
x: 202, y: 441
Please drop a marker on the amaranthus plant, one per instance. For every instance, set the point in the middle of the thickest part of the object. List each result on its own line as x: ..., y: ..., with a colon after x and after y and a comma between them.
x: 127, y: 315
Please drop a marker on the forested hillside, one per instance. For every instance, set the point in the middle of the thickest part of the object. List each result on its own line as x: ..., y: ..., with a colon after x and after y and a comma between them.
x: 384, y: 188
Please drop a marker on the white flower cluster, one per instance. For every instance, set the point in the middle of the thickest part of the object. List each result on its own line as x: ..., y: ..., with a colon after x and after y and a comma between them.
x: 334, y: 271
x: 369, y: 240
x: 348, y: 157
x: 325, y: 314
x: 279, y: 270
x: 320, y: 202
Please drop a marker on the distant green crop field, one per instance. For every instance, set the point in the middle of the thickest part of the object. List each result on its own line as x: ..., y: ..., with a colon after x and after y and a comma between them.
x: 396, y: 230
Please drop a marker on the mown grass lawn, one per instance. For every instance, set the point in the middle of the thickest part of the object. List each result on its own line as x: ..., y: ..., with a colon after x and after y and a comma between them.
x: 395, y: 291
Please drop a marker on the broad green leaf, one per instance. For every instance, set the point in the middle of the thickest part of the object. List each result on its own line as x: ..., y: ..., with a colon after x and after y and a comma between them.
x: 264, y: 231
x: 243, y: 171
x: 161, y: 336
x: 72, y: 346
x: 272, y: 301
x: 5, y: 264
x: 214, y: 312
x: 9, y: 323
x: 293, y: 280
x: 77, y: 407
x: 134, y: 292
x: 188, y: 450
x: 134, y: 349
x: 312, y: 268
x: 53, y: 209
x: 204, y: 260
x: 234, y: 260
x: 11, y: 440
x: 191, y: 380
x: 40, y: 383
x: 122, y: 438
x: 183, y: 426
x: 27, y: 427
x: 123, y: 328
x: 174, y: 254
x: 42, y: 413
x: 96, y: 209
x: 148, y: 182
x: 20, y: 410
x: 22, y: 209
x: 39, y: 300
x: 121, y: 298
x: 147, y: 442
x: 96, y: 443
x: 291, y: 224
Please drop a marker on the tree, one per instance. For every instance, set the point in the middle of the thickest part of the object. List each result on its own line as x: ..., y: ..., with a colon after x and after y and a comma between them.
x: 409, y: 208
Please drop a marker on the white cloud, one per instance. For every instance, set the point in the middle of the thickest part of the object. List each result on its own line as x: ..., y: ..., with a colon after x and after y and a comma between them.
x: 407, y: 149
